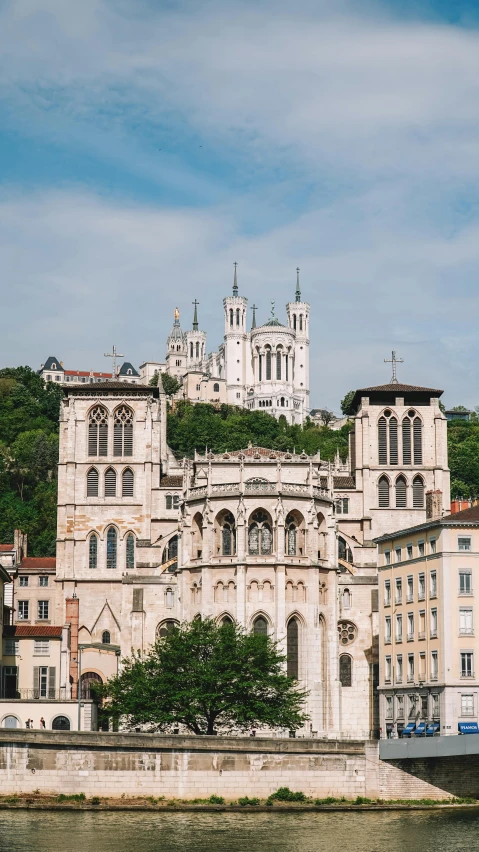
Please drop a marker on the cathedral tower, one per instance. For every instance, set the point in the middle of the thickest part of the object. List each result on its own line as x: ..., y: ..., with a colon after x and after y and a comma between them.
x: 195, y: 344
x: 235, y: 345
x: 176, y: 349
x: 298, y: 320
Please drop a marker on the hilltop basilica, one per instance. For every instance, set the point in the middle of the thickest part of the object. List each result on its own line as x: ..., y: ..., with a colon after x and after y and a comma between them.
x: 256, y: 367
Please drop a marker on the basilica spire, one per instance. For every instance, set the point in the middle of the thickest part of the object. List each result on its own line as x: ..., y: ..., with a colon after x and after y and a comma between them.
x: 235, y: 281
x: 195, y: 316
x: 298, y: 291
x: 253, y: 324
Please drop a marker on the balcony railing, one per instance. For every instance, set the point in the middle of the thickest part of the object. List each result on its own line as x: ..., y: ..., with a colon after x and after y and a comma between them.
x: 466, y: 631
x: 37, y: 694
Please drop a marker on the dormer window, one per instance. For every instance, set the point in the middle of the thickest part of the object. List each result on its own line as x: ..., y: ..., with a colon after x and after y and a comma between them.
x: 54, y: 366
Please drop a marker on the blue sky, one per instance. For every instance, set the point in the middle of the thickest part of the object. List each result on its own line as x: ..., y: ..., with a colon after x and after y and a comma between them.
x: 145, y: 146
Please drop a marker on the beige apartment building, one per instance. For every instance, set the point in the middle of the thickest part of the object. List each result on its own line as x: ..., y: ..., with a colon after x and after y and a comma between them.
x: 428, y: 637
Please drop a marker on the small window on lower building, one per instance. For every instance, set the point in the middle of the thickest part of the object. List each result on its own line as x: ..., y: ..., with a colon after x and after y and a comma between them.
x: 106, y: 637
x: 23, y: 581
x: 467, y: 705
x: 43, y: 581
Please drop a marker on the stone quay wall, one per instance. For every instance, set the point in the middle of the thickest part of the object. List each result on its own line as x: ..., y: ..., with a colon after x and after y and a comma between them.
x: 188, y: 767
x: 182, y: 767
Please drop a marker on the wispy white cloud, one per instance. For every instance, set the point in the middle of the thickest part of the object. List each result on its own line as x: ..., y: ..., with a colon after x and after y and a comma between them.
x: 334, y: 136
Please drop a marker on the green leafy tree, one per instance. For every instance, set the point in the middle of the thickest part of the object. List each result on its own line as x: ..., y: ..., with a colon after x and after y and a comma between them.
x: 171, y: 385
x: 154, y: 379
x: 347, y: 404
x: 209, y: 678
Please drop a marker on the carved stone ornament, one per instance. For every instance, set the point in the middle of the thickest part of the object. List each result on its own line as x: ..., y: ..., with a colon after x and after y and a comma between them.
x: 279, y: 511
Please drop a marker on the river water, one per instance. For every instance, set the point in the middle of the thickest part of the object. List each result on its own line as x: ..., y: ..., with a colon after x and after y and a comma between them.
x: 102, y: 831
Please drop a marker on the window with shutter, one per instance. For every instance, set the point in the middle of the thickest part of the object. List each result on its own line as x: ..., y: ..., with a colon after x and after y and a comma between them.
x: 137, y: 600
x: 110, y: 483
x: 127, y: 483
x: 93, y: 551
x: 98, y: 432
x: 130, y: 551
x: 406, y: 441
x: 36, y: 681
x: 417, y: 433
x: 92, y: 483
x: 51, y: 681
x: 382, y: 441
x: 418, y: 493
x: 111, y: 548
x: 383, y: 492
x: 401, y: 493
x: 393, y: 441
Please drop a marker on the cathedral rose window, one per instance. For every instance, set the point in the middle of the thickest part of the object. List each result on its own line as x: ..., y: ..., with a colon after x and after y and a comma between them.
x: 347, y: 632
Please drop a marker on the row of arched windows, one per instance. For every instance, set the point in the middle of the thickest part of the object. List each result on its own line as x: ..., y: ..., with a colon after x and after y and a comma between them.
x: 111, y: 556
x: 110, y: 481
x: 260, y: 534
x: 388, y: 439
x: 400, y: 492
x: 98, y: 424
x: 195, y: 349
x: 239, y: 317
x: 270, y: 362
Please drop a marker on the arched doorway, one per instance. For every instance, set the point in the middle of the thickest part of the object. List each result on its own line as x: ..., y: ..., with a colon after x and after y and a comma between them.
x: 10, y: 722
x: 87, y: 679
x: 61, y: 723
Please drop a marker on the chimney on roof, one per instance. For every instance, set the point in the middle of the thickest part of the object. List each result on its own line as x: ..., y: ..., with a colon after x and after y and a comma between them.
x: 433, y: 504
x: 61, y: 363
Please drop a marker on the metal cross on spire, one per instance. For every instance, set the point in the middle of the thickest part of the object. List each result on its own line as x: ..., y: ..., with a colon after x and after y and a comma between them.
x: 114, y: 354
x: 394, y: 360
x: 195, y: 316
x: 273, y: 305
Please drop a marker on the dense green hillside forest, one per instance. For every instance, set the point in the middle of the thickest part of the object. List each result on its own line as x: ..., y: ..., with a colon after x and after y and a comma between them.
x: 29, y: 449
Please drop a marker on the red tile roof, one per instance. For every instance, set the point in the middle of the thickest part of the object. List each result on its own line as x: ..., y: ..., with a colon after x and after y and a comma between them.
x: 6, y: 548
x: 33, y: 630
x: 466, y: 516
x: 39, y: 562
x: 88, y: 373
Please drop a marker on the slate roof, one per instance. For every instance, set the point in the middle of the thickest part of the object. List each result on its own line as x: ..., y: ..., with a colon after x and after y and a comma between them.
x: 397, y: 388
x: 127, y: 366
x: 52, y: 360
x: 40, y: 631
x: 386, y: 394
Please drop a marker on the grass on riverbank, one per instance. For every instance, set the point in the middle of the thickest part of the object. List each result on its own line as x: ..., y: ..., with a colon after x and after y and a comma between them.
x: 282, y: 799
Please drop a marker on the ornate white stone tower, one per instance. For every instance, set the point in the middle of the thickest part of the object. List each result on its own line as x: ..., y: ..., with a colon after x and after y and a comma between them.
x: 195, y: 344
x: 236, y: 345
x: 176, y: 349
x: 298, y: 320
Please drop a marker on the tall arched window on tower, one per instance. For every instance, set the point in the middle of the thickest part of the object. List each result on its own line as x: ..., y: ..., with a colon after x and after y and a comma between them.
x: 231, y: 317
x: 191, y: 349
x: 130, y: 552
x: 418, y: 492
x: 268, y: 364
x: 286, y: 367
x: 417, y: 440
x: 401, y: 493
x: 237, y: 317
x: 110, y: 483
x: 197, y: 349
x: 260, y: 367
x: 292, y: 648
x: 93, y: 551
x: 383, y: 492
x: 92, y: 483
x: 345, y: 670
x: 294, y: 321
x: 127, y: 483
x: 111, y: 547
x: 393, y: 440
x: 98, y: 432
x: 123, y: 432
x: 382, y: 441
x: 279, y: 355
x: 301, y: 322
